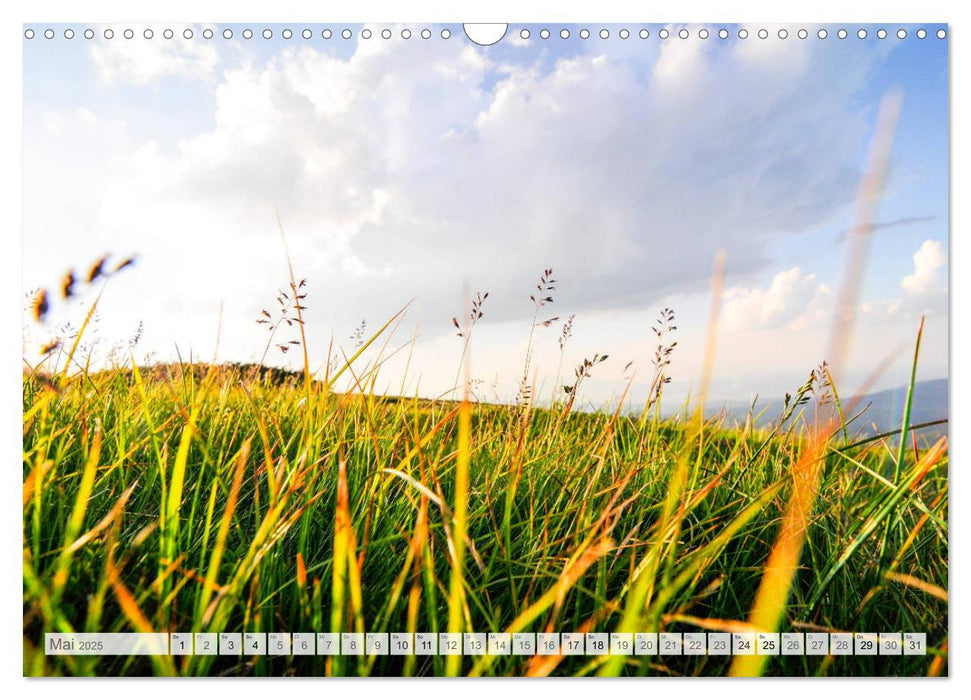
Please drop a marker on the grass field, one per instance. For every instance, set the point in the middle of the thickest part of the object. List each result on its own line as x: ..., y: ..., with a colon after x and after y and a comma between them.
x: 207, y: 498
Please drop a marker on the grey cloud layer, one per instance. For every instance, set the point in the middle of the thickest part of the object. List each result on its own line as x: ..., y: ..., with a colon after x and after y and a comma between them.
x: 408, y: 168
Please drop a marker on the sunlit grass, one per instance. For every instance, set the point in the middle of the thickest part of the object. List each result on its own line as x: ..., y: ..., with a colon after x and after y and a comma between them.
x: 209, y: 499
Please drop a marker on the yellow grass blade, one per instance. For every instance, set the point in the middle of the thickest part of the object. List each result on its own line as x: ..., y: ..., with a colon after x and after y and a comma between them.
x: 77, y: 513
x: 103, y: 524
x: 219, y: 548
x: 456, y: 594
x: 554, y: 596
x: 914, y: 582
x: 77, y: 339
x: 134, y: 615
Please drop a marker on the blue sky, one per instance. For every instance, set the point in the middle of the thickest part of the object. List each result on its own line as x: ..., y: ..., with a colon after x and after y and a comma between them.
x: 408, y: 168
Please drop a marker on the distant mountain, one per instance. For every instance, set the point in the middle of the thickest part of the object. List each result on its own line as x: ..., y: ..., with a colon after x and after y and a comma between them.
x: 876, y: 413
x: 882, y: 411
x: 887, y: 407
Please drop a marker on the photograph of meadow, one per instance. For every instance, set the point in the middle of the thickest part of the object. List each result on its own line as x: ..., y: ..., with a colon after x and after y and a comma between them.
x: 598, y: 328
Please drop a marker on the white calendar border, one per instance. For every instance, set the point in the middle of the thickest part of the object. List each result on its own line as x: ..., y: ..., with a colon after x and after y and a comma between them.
x: 11, y: 19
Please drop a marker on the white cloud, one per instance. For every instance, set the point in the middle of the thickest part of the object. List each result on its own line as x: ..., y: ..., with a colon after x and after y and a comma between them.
x: 928, y: 260
x: 681, y: 63
x: 790, y: 299
x: 405, y: 168
x: 141, y: 61
x: 496, y: 184
x: 516, y: 39
x: 779, y: 60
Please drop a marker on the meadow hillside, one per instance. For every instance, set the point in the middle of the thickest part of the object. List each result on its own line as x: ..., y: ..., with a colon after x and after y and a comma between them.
x: 877, y: 412
x: 211, y: 499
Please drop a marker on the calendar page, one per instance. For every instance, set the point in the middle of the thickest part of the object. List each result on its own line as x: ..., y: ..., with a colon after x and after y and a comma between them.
x: 533, y: 349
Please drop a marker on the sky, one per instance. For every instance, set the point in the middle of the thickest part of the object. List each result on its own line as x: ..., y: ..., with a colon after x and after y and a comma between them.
x: 421, y: 171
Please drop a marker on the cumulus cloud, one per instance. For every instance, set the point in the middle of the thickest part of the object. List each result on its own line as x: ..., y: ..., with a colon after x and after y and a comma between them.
x: 142, y: 61
x: 681, y: 63
x: 791, y: 298
x: 403, y: 169
x: 928, y: 260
